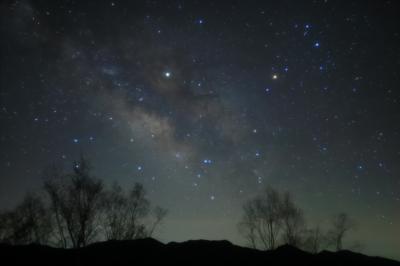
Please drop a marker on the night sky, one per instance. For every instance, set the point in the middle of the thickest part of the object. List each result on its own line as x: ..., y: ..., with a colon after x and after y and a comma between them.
x: 206, y: 103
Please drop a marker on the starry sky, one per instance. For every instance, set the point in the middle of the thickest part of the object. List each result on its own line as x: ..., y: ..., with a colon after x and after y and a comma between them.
x: 207, y: 102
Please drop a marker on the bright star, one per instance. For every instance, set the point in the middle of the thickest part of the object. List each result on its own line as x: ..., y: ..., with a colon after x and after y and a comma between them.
x: 274, y: 76
x: 207, y: 161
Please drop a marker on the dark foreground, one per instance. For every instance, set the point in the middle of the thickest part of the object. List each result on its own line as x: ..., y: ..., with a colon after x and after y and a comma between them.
x: 150, y: 251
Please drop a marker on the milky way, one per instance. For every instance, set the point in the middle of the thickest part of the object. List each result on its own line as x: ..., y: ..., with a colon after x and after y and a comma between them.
x: 207, y: 102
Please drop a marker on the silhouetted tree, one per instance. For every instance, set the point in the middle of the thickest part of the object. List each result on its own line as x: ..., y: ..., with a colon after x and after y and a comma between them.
x: 126, y: 216
x: 262, y: 219
x: 293, y: 222
x: 314, y: 240
x: 54, y: 184
x: 28, y: 223
x: 270, y: 217
x: 341, y: 225
x: 80, y: 210
x: 158, y: 216
x: 114, y: 219
x: 75, y: 201
x: 138, y: 207
x: 6, y: 227
x: 247, y: 227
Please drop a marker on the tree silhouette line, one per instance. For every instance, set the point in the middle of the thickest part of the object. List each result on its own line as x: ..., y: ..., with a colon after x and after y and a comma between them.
x: 76, y: 209
x: 273, y: 218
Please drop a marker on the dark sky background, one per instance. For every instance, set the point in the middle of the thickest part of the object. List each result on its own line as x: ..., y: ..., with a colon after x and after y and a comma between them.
x: 207, y: 102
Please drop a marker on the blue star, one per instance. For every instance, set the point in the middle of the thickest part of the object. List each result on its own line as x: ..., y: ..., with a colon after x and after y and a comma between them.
x: 207, y: 161
x: 140, y: 168
x: 75, y: 140
x: 316, y: 44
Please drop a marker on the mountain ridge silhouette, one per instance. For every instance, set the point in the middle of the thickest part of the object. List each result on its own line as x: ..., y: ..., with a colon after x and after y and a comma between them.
x: 150, y: 251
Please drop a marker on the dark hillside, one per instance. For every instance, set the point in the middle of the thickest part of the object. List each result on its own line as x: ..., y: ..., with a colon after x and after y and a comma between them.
x: 150, y: 251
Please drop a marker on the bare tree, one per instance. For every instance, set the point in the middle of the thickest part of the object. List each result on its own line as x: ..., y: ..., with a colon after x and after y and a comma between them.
x: 55, y: 186
x: 314, y: 240
x: 79, y: 210
x: 341, y: 225
x: 293, y: 221
x: 114, y: 219
x: 247, y: 227
x: 28, y: 223
x: 6, y: 227
x: 158, y: 216
x: 126, y: 216
x: 138, y: 208
x: 75, y: 201
x: 262, y: 217
x: 271, y: 217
